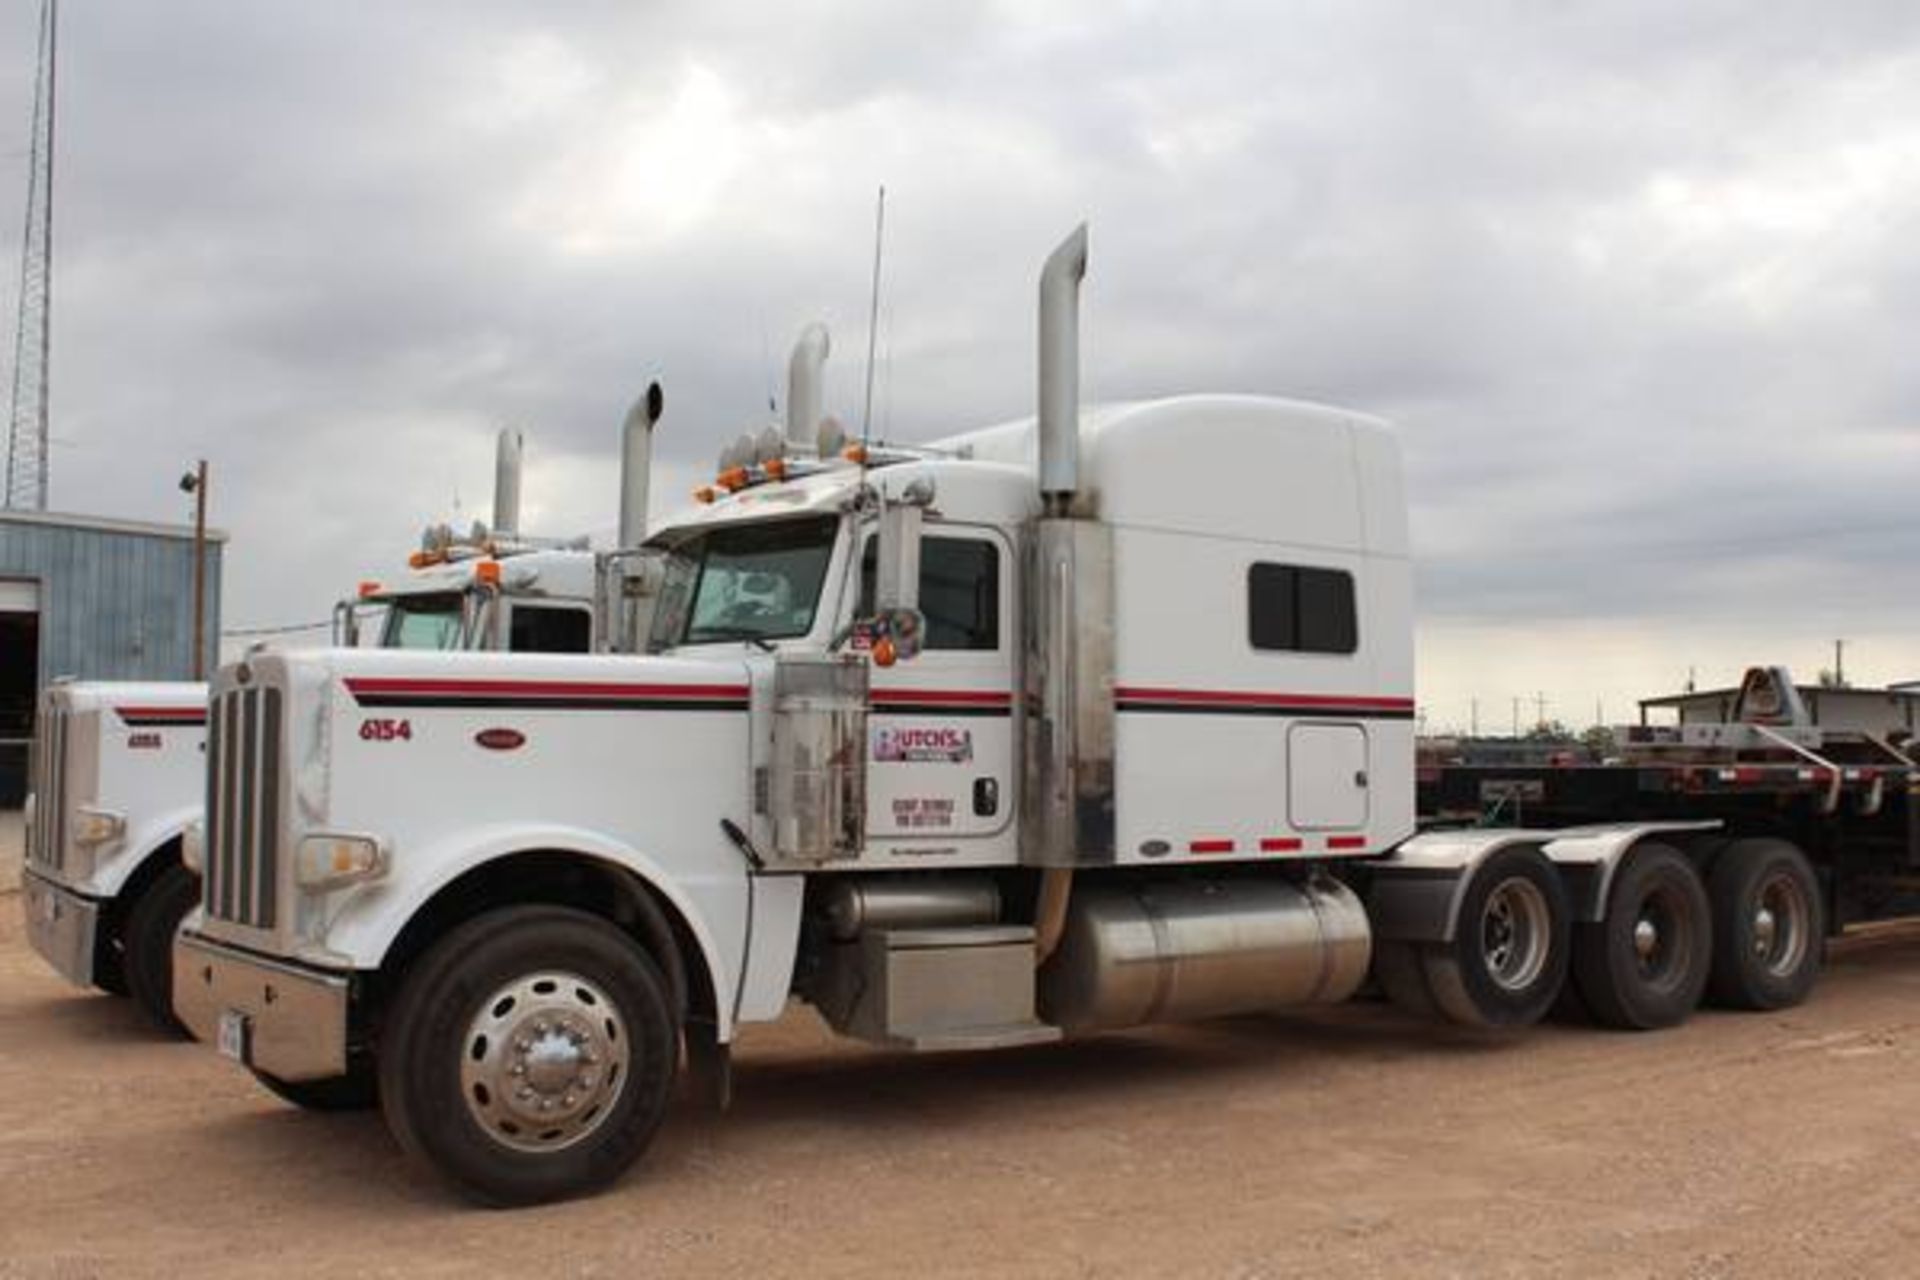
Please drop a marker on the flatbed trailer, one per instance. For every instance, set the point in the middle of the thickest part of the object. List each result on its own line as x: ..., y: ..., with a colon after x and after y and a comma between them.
x: 1849, y: 801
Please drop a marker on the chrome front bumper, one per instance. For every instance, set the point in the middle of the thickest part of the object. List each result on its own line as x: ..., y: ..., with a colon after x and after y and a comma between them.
x: 61, y: 926
x: 283, y: 1019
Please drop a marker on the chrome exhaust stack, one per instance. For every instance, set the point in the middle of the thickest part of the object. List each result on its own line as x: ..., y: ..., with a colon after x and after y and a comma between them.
x: 805, y: 388
x: 1068, y: 802
x: 636, y: 461
x: 507, y: 456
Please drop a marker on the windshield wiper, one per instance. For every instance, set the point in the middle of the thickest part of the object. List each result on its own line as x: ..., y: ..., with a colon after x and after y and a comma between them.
x: 707, y: 635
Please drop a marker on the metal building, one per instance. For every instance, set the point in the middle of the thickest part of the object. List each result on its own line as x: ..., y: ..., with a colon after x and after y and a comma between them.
x: 96, y: 599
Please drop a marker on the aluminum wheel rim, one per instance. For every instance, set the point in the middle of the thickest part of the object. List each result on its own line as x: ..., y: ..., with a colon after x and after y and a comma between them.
x: 1516, y: 933
x: 543, y: 1061
x: 1782, y: 925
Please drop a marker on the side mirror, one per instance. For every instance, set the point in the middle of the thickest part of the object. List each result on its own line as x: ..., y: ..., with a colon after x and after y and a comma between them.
x: 896, y: 595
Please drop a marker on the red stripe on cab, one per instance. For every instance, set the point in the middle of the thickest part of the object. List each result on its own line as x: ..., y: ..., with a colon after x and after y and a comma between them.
x: 1234, y: 698
x: 540, y: 688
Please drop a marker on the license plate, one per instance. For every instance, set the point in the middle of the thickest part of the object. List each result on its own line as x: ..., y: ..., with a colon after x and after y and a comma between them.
x: 233, y: 1035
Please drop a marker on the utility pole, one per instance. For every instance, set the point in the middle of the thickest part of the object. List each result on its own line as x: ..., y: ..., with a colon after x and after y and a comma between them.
x: 1540, y: 704
x: 1475, y: 713
x: 1839, y: 664
x: 1516, y: 715
x: 27, y: 436
x: 195, y: 483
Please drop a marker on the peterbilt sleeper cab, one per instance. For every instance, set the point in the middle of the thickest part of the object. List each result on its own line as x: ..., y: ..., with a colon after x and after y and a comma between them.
x: 1099, y: 719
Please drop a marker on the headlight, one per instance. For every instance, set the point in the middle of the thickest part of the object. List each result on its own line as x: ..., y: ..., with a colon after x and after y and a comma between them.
x: 193, y: 847
x: 329, y: 861
x: 97, y: 826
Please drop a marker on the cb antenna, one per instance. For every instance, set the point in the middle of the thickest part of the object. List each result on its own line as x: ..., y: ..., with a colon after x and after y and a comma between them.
x: 873, y: 313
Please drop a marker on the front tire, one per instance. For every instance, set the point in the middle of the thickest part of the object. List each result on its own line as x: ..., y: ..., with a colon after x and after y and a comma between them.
x: 529, y: 1056
x: 1644, y: 965
x: 148, y: 959
x: 1769, y: 926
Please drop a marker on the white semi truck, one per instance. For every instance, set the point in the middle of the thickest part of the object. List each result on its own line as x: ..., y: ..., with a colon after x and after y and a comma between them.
x: 118, y: 769
x: 1094, y: 720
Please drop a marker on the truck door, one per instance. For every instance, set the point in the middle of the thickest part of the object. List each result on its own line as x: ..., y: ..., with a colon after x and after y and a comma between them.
x: 940, y: 727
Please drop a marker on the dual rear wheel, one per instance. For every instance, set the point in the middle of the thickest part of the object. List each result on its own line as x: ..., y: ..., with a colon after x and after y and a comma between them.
x: 1749, y: 934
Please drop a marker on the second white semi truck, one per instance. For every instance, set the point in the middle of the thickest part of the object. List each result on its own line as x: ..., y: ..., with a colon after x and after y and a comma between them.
x: 119, y: 768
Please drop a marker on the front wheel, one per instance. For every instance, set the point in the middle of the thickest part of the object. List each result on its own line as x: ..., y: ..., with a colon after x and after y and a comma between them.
x: 148, y: 960
x: 530, y: 1055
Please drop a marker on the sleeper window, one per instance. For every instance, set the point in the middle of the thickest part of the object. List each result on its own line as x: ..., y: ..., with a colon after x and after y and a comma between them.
x: 1299, y: 609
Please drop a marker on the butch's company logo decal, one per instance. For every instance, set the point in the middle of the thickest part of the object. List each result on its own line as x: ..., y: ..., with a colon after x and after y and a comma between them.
x: 943, y: 745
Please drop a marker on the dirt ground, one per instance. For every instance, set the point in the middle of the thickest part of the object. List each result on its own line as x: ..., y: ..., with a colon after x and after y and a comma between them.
x: 1351, y: 1141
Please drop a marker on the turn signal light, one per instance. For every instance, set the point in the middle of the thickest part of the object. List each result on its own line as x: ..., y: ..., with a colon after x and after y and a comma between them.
x: 97, y: 826
x: 732, y: 479
x: 332, y: 861
x: 705, y: 494
x: 776, y: 468
x: 487, y: 573
x: 884, y: 654
x: 369, y: 589
x: 856, y: 453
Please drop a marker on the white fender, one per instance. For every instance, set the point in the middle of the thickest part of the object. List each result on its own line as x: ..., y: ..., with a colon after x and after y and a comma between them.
x: 1588, y: 857
x: 111, y: 872
x: 1415, y: 891
x: 715, y: 907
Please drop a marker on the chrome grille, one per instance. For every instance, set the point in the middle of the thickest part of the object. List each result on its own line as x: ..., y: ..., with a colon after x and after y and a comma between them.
x: 243, y: 806
x: 50, y: 787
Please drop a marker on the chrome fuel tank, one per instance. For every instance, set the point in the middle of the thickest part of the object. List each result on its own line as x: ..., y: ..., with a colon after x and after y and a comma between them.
x: 1184, y: 949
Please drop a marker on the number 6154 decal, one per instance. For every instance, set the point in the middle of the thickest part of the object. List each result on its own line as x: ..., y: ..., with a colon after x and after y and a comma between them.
x: 386, y: 731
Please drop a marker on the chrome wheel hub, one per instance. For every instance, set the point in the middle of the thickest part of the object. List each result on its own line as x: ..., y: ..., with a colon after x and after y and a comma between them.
x: 543, y: 1062
x: 1516, y: 932
x: 1646, y: 938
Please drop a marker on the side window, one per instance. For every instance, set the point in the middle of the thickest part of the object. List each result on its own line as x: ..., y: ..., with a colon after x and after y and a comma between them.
x: 536, y: 628
x: 1299, y: 609
x: 959, y: 591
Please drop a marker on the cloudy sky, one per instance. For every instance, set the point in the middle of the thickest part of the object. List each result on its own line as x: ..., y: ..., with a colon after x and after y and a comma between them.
x: 1638, y: 280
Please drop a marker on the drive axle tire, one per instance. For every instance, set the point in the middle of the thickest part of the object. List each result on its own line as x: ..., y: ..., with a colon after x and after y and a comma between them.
x: 1509, y: 954
x: 530, y: 1055
x: 1769, y: 926
x: 148, y: 959
x: 1644, y: 965
x: 358, y: 1090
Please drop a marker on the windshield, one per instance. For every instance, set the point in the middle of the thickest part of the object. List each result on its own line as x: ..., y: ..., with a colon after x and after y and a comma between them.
x: 434, y: 621
x: 745, y: 582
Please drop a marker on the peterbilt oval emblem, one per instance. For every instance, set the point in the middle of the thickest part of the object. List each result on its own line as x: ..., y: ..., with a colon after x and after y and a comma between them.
x: 501, y: 739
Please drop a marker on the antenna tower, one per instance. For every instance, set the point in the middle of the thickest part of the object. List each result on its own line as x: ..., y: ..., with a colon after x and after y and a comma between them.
x: 27, y: 424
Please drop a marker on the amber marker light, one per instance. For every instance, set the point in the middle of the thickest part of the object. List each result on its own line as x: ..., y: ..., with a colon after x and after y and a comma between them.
x: 487, y: 573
